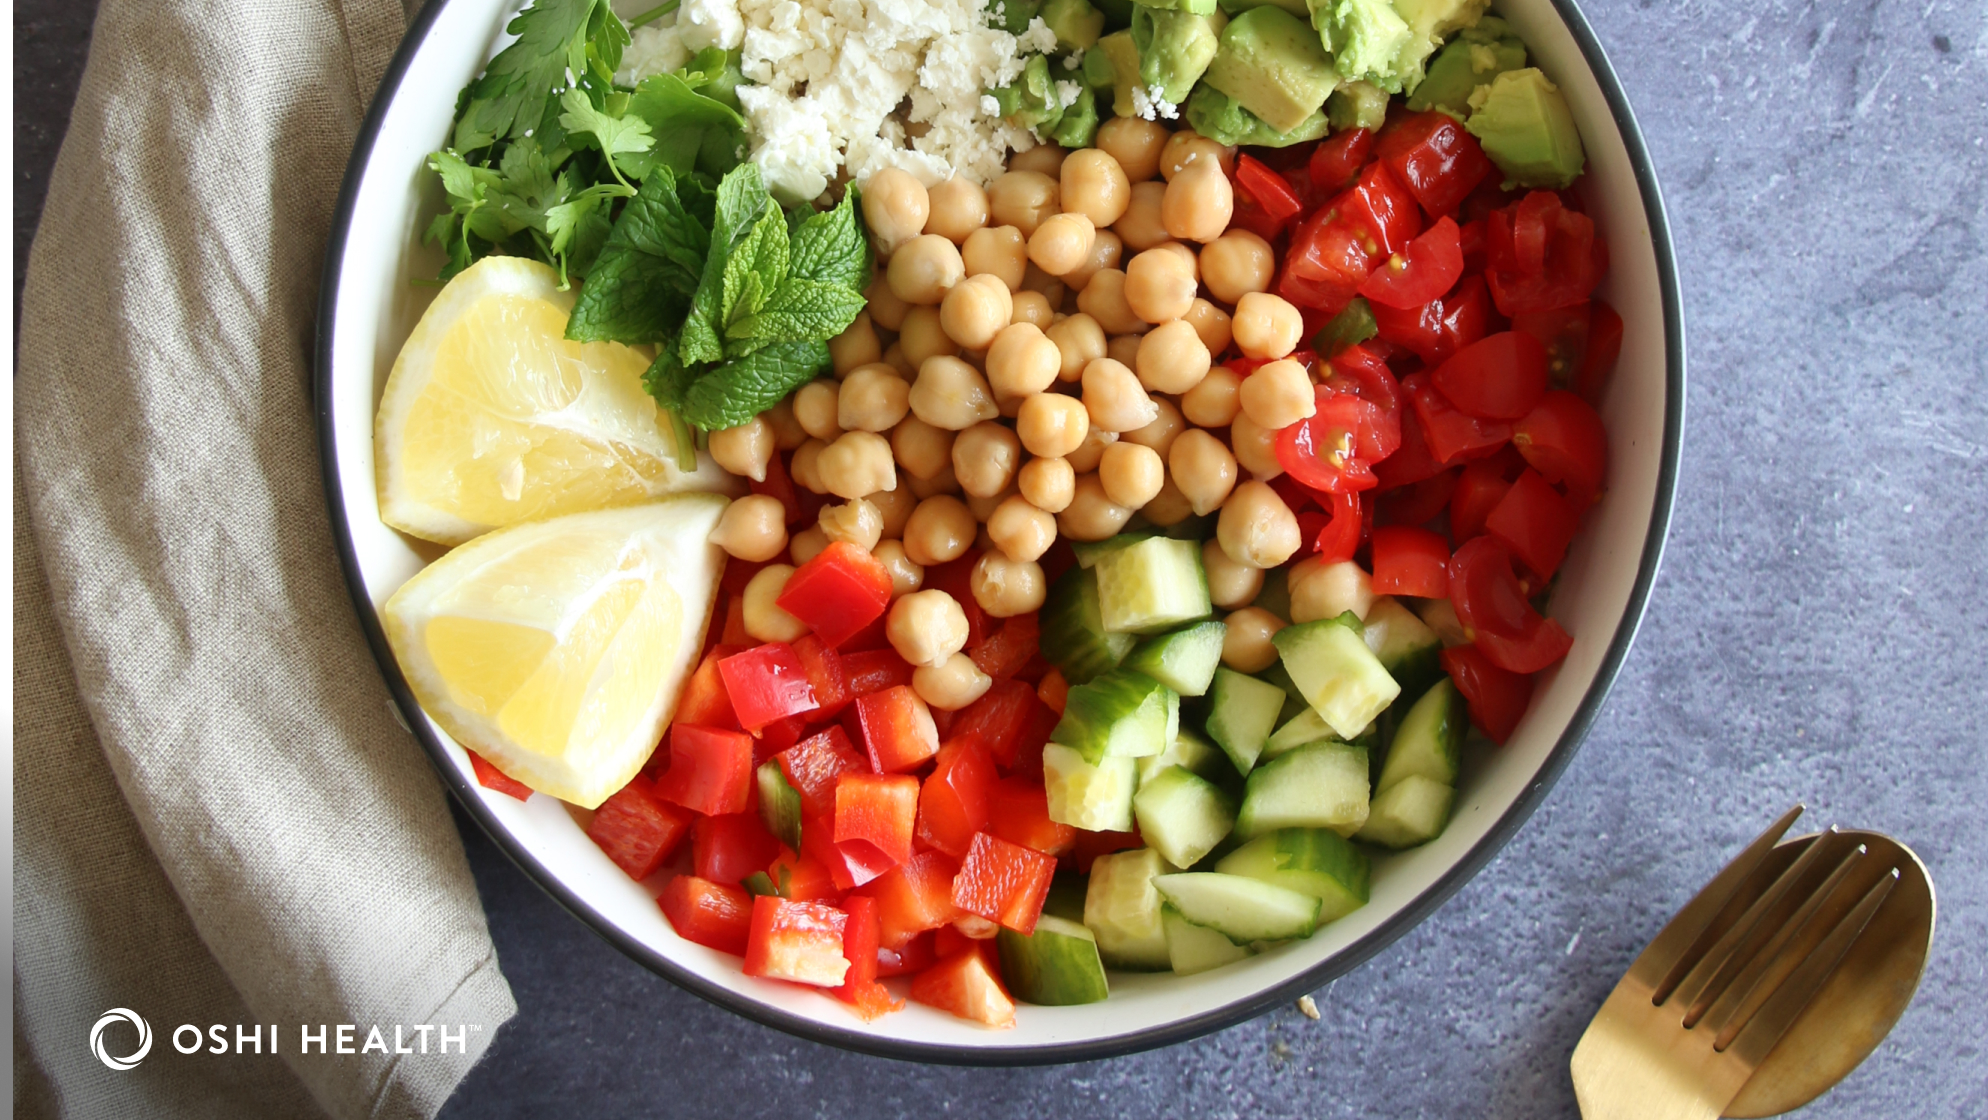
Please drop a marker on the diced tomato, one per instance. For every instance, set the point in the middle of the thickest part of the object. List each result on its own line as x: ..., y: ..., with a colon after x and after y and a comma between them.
x: 1543, y: 645
x: 952, y: 804
x: 1379, y: 211
x: 1564, y: 333
x: 1054, y: 691
x: 875, y: 670
x: 1498, y: 377
x: 1418, y: 502
x: 1564, y: 440
x: 955, y: 578
x: 1247, y: 215
x: 964, y: 985
x: 1497, y: 697
x: 489, y: 777
x: 1410, y: 561
x: 880, y: 810
x: 780, y: 484
x: 915, y: 955
x: 838, y: 592
x: 1422, y: 271
x: 1452, y: 436
x: 705, y: 702
x: 1486, y: 592
x: 1018, y: 812
x: 1412, y: 461
x: 1008, y: 649
x: 823, y: 667
x: 1091, y: 845
x: 914, y: 896
x: 1003, y: 719
x: 1432, y: 155
x: 1339, y: 537
x: 726, y: 849
x: 710, y: 770
x: 1323, y: 451
x: 860, y: 989
x: 716, y: 915
x: 734, y: 634
x: 1604, y: 348
x: 766, y: 683
x: 800, y: 942
x: 1325, y: 264
x: 812, y: 765
x: 1539, y: 255
x: 1479, y: 488
x: 1003, y: 882
x: 1336, y: 161
x: 636, y: 830
x: 1535, y: 522
x: 1267, y: 188
x: 1438, y: 329
x: 897, y: 729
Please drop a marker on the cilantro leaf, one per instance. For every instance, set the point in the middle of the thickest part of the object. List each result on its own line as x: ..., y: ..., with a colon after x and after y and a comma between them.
x: 615, y: 135
x: 799, y: 309
x: 830, y: 246
x: 579, y: 228
x: 511, y: 97
x: 640, y: 288
x: 739, y: 390
x: 693, y: 132
x: 741, y: 200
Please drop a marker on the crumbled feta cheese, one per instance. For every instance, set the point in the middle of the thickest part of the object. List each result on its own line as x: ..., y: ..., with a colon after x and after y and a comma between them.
x: 1038, y: 39
x: 710, y: 23
x: 1074, y: 59
x: 1147, y: 102
x: 655, y: 49
x: 1066, y: 93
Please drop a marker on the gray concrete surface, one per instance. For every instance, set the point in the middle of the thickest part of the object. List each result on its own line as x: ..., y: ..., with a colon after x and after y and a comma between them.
x: 1817, y: 635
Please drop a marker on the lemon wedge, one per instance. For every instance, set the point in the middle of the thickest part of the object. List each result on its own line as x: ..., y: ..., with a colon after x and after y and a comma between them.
x: 557, y: 649
x: 491, y: 417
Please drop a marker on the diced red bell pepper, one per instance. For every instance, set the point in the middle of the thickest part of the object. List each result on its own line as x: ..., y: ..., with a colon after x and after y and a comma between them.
x: 1497, y: 697
x: 1004, y: 719
x: 636, y: 830
x: 778, y: 736
x: 705, y: 701
x: 1452, y: 435
x: 878, y: 810
x: 727, y: 848
x: 818, y: 844
x: 874, y: 636
x: 799, y: 942
x: 1267, y: 188
x: 1535, y: 522
x: 1411, y: 561
x: 1008, y: 649
x: 875, y: 670
x: 951, y: 940
x: 914, y: 896
x: 860, y: 989
x: 1054, y: 691
x: 489, y: 777
x: 711, y: 914
x: 710, y: 770
x: 1432, y: 155
x: 802, y: 877
x: 1091, y: 845
x: 837, y: 593
x: 952, y: 803
x: 913, y: 956
x: 897, y: 729
x: 830, y: 681
x: 1336, y: 161
x: 1018, y: 812
x: 1003, y: 882
x: 766, y: 683
x: 966, y: 986
x: 735, y: 634
x: 812, y: 766
x: 738, y: 574
x: 780, y: 484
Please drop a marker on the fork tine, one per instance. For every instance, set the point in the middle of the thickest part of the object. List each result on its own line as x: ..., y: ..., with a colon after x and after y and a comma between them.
x: 1675, y: 948
x: 1760, y: 916
x: 1738, y: 991
x: 1755, y: 1039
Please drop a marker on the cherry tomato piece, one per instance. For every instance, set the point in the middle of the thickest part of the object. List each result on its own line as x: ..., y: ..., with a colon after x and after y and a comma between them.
x: 1334, y: 162
x: 1411, y: 561
x: 1452, y: 435
x: 1604, y: 348
x: 1417, y: 502
x: 1564, y: 440
x: 1339, y: 538
x: 1267, y: 188
x: 1544, y: 645
x: 1323, y: 450
x: 1497, y: 697
x: 1441, y: 327
x: 1535, y: 522
x: 1423, y: 270
x: 1486, y: 592
x: 1479, y: 488
x: 1432, y: 155
x: 1498, y: 377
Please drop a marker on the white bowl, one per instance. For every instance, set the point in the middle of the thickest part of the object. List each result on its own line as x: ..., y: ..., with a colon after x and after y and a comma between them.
x: 369, y: 305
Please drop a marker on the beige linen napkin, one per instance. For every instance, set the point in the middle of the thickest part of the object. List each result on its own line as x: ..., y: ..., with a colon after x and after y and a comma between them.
x: 218, y: 819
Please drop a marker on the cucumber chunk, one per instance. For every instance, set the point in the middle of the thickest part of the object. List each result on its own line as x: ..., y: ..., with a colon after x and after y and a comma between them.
x: 1184, y: 660
x: 1275, y: 595
x: 1073, y: 634
x: 1193, y: 948
x: 1054, y: 966
x: 1337, y: 674
x: 1403, y: 644
x: 1294, y: 701
x: 1303, y: 729
x: 1151, y: 585
x: 1412, y: 811
x: 1182, y: 815
x: 1429, y: 740
x: 1089, y: 552
x: 1122, y: 908
x: 1320, y: 786
x: 1066, y: 895
x: 1189, y: 750
x: 1119, y: 714
x: 1096, y: 796
x: 1313, y: 861
x: 1241, y: 909
x: 1241, y: 712
x: 779, y: 804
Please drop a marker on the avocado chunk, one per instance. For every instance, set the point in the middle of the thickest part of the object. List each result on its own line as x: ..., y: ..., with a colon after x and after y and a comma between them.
x: 1032, y: 100
x: 1274, y: 66
x: 1221, y: 118
x: 1364, y: 37
x: 1295, y: 7
x: 1117, y: 56
x: 1429, y: 23
x: 1175, y: 48
x: 1016, y: 14
x: 1357, y: 105
x: 1192, y: 7
x: 1079, y: 124
x: 1077, y: 24
x: 1474, y: 58
x: 1525, y: 127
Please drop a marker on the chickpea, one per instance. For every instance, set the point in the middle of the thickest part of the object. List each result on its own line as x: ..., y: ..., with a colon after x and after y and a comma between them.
x: 1141, y: 227
x: 815, y: 407
x: 975, y: 310
x: 1022, y: 199
x: 883, y: 306
x: 939, y: 530
x: 1237, y: 263
x: 941, y: 483
x: 1255, y: 448
x: 983, y: 508
x: 924, y: 269
x: 924, y: 337
x: 958, y: 207
x: 1256, y: 527
x: 985, y: 458
x: 1090, y: 452
x: 753, y: 528
x: 951, y: 686
x: 1132, y: 474
x: 1106, y: 249
x: 1230, y: 585
x: 1061, y: 243
x: 1211, y: 323
x: 1204, y: 470
x: 1278, y: 394
x: 1135, y: 144
x: 1091, y: 514
x: 997, y: 251
x: 926, y: 627
x: 1266, y: 325
x: 1172, y: 358
x: 1103, y: 299
x: 787, y: 431
x: 1160, y: 434
x: 1022, y: 361
x: 1052, y: 425
x: 922, y: 449
x: 905, y: 576
x: 951, y: 394
x: 858, y: 464
x: 1214, y: 402
x: 764, y: 619
x: 1186, y: 147
x: 1157, y: 286
x: 1246, y: 645
x: 854, y: 522
x: 805, y: 470
x: 1094, y: 185
x: 746, y: 449
x: 873, y: 399
x: 807, y: 544
x: 857, y: 345
x: 1169, y: 507
x: 1115, y: 399
x: 895, y: 359
x: 1046, y: 158
x: 894, y: 506
x: 1197, y: 205
x: 1124, y: 350
x: 1032, y: 308
x: 1047, y: 484
x: 1006, y: 587
x: 1042, y: 283
x: 1322, y: 590
x: 895, y: 207
x: 1080, y: 341
x: 1021, y: 530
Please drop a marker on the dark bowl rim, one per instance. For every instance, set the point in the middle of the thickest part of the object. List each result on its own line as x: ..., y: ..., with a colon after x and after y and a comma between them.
x: 1116, y: 1045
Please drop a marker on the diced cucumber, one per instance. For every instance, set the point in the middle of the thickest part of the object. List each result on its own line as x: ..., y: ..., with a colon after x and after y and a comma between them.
x: 1172, y: 699
x: 1119, y: 714
x: 1096, y: 796
x: 1151, y: 585
x: 1241, y: 909
x: 1194, y: 948
x: 1066, y: 895
x: 1403, y: 644
x: 779, y: 805
x: 1241, y: 712
x: 1182, y: 815
x: 1088, y: 552
x: 1314, y: 861
x: 1073, y: 634
x: 1337, y: 674
x: 1184, y: 660
x: 1300, y: 730
x: 1275, y: 595
x: 1429, y: 740
x: 1440, y: 617
x: 1123, y: 909
x: 1294, y: 701
x: 1056, y: 965
x: 1323, y: 785
x: 1412, y: 811
x: 1189, y: 750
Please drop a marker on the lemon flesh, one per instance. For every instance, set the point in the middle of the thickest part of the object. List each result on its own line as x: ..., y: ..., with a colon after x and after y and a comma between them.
x: 557, y: 649
x: 491, y: 416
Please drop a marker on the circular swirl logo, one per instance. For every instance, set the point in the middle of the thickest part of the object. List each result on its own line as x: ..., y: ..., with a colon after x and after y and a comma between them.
x: 121, y: 1015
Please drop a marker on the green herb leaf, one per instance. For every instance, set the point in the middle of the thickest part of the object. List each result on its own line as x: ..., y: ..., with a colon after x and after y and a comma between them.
x: 615, y: 135
x: 756, y: 269
x: 512, y: 96
x: 739, y: 390
x: 799, y: 309
x: 693, y: 132
x: 640, y: 288
x: 741, y: 200
x: 830, y: 246
x: 669, y: 381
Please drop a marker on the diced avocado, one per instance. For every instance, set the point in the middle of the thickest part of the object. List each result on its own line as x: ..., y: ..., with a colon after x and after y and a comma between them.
x: 1410, y: 812
x: 1119, y: 714
x: 1055, y: 965
x: 1079, y: 123
x: 1182, y: 815
x: 1357, y: 105
x: 1013, y: 15
x: 1273, y: 65
x: 1094, y: 796
x: 1194, y: 7
x: 1123, y: 909
x: 1193, y: 948
x: 1222, y: 118
x: 1078, y: 25
x: 1314, y: 861
x: 1097, y: 71
x: 1429, y: 23
x: 1295, y: 7
x: 1030, y: 101
x: 1117, y: 13
x: 1184, y: 660
x: 1364, y: 36
x: 1337, y: 673
x: 1073, y: 635
x: 1150, y: 586
x: 1320, y: 786
x: 1525, y: 127
x: 1241, y: 712
x: 1174, y: 49
x: 1474, y: 58
x: 1189, y: 750
x: 1121, y: 55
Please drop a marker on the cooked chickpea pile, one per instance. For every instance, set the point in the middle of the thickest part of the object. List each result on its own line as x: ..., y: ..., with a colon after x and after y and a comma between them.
x: 1038, y: 358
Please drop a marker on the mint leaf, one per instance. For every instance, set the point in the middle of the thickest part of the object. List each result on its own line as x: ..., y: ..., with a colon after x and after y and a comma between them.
x: 692, y: 132
x: 755, y: 269
x: 799, y: 309
x: 615, y: 135
x: 739, y: 390
x: 640, y: 288
x: 830, y: 246
x: 741, y: 200
x: 511, y: 98
x: 669, y: 381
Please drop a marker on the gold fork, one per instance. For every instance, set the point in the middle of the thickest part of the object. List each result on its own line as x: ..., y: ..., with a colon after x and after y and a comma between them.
x: 1705, y: 1003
